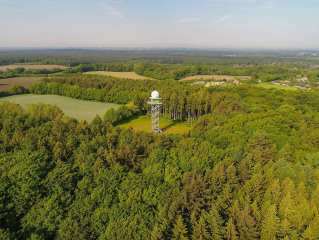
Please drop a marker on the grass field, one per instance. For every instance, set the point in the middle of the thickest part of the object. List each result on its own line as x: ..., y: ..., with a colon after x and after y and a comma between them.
x: 144, y: 123
x: 271, y: 85
x: 130, y: 75
x: 48, y: 67
x: 6, y: 83
x: 79, y: 109
x: 217, y: 77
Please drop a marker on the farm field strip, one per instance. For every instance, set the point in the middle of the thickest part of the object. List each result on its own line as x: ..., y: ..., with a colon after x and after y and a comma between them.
x: 130, y: 75
x: 7, y: 83
x: 16, y: 80
x: 270, y: 85
x: 75, y: 108
x: 217, y: 77
x: 48, y: 67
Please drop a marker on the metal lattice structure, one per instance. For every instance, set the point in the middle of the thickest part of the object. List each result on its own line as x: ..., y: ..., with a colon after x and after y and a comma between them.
x: 155, y: 111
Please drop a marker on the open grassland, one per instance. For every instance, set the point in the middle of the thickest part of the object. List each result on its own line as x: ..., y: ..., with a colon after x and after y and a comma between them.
x: 78, y: 109
x: 143, y: 123
x: 7, y: 83
x: 217, y: 77
x: 48, y: 67
x: 271, y: 85
x: 130, y: 75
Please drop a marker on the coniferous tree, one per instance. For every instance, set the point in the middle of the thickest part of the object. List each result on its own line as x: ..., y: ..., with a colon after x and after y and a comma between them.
x: 230, y: 231
x: 214, y: 224
x: 246, y: 225
x: 200, y: 230
x: 270, y: 225
x: 193, y: 198
x: 179, y: 230
x: 285, y: 228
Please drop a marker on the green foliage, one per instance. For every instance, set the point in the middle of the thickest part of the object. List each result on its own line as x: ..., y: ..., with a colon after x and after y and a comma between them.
x: 179, y: 230
x: 248, y: 169
x: 111, y: 116
x: 17, y: 89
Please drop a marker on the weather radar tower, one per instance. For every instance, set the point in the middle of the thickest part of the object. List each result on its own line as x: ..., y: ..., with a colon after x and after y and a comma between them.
x: 155, y: 111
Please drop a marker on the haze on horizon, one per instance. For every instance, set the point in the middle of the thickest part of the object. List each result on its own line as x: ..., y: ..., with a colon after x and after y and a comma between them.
x: 180, y: 23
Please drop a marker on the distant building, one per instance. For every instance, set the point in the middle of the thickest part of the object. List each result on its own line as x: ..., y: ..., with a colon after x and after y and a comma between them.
x: 313, y: 66
x: 212, y: 84
x: 300, y: 85
x: 236, y: 82
x: 277, y: 82
x: 285, y: 84
x: 302, y: 79
x: 199, y: 83
x: 288, y: 80
x: 243, y: 78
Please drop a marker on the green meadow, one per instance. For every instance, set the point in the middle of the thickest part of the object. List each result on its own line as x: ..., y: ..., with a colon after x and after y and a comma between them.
x: 75, y: 108
x: 143, y: 123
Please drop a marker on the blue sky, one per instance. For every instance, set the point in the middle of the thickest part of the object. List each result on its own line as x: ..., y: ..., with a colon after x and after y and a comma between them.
x: 180, y: 23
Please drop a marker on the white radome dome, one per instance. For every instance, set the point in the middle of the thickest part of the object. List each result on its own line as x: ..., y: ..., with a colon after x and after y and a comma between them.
x: 155, y: 94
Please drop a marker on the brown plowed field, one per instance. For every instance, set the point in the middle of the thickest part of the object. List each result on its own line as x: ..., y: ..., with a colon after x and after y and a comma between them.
x: 217, y: 77
x: 7, y: 83
x: 48, y: 67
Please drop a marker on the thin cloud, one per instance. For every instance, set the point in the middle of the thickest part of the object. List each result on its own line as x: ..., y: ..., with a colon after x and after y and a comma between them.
x: 271, y: 6
x: 115, y: 12
x: 106, y: 1
x: 185, y: 20
x: 224, y: 18
x: 234, y: 1
x: 268, y: 5
x: 111, y: 10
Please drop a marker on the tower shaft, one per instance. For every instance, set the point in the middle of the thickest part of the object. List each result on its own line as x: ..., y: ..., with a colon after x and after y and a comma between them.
x: 155, y: 113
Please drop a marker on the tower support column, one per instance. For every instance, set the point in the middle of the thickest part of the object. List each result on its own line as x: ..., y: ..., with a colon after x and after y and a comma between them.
x: 155, y: 111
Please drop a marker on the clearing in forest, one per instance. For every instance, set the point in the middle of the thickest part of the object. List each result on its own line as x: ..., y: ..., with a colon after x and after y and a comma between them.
x: 48, y: 67
x: 217, y: 77
x: 7, y: 83
x: 143, y: 123
x: 130, y: 75
x: 75, y: 108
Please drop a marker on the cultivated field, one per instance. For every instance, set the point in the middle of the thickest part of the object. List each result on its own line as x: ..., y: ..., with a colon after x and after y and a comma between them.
x: 144, y: 123
x: 130, y: 75
x: 270, y: 85
x: 48, y: 67
x: 217, y: 77
x: 7, y: 83
x: 79, y: 109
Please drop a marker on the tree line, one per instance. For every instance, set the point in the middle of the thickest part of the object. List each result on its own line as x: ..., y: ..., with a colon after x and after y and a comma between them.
x: 164, y: 72
x: 180, y: 101
x: 22, y: 72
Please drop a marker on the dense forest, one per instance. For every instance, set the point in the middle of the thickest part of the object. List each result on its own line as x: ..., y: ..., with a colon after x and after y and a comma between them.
x: 162, y: 65
x: 249, y: 169
x: 221, y: 57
